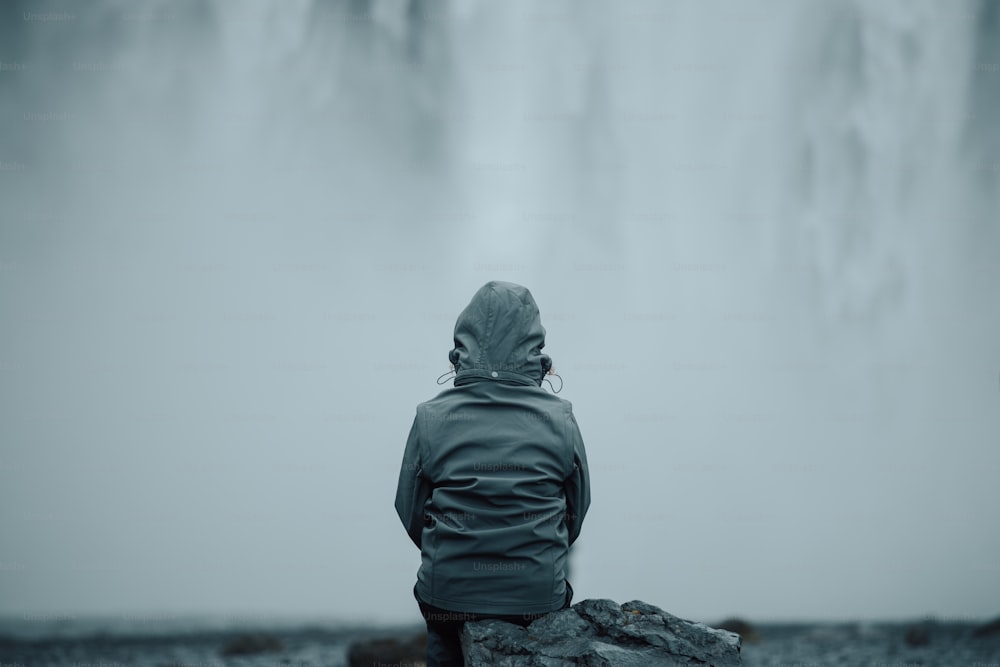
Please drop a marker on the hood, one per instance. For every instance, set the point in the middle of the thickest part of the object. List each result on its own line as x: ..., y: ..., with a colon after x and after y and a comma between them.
x: 499, y: 336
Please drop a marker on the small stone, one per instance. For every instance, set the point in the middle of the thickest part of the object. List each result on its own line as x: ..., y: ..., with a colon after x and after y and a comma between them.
x: 741, y: 627
x: 409, y: 650
x: 990, y: 629
x: 252, y: 643
x: 918, y: 635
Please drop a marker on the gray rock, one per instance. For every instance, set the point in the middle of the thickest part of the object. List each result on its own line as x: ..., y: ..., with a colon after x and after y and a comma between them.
x: 248, y: 644
x: 918, y: 635
x: 991, y: 629
x: 742, y: 627
x: 409, y: 650
x: 599, y: 633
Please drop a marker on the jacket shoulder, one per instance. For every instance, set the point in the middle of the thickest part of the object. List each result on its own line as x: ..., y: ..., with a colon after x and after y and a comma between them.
x: 558, y: 403
x: 443, y: 398
x: 432, y: 409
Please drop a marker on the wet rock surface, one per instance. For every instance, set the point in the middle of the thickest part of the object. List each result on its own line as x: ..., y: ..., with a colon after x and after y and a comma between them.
x: 600, y: 632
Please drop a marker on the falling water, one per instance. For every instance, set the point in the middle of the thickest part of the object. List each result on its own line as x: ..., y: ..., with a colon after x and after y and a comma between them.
x: 764, y: 241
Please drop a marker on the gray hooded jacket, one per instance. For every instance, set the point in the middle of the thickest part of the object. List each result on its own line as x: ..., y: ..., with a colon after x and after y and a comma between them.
x: 494, y: 484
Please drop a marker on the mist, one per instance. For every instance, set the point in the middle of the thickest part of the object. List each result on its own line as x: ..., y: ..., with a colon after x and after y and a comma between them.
x: 234, y: 239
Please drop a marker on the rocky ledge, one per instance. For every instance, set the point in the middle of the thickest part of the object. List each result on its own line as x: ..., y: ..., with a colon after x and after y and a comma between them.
x: 600, y: 632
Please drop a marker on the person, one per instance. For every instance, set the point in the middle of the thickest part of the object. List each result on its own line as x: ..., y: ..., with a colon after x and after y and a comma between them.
x: 494, y: 485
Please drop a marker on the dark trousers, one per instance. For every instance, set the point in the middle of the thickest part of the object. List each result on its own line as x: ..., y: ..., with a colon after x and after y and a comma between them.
x: 444, y: 629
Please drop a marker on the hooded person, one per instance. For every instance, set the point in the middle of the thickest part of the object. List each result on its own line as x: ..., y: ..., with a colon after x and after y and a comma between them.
x: 494, y: 483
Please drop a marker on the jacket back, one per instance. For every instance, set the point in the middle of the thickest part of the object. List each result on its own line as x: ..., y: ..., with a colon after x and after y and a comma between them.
x: 494, y: 488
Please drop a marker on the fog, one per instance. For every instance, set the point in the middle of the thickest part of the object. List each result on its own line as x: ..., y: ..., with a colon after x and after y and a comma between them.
x: 234, y: 239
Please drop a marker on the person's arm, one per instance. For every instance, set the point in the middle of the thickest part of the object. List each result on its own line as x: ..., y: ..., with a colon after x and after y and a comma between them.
x: 577, y: 485
x: 413, y: 489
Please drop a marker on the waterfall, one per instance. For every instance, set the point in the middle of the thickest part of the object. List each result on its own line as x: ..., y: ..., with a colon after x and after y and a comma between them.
x: 763, y: 239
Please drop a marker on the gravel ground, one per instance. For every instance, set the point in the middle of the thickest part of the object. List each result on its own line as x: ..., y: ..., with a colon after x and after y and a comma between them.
x: 880, y: 645
x: 817, y: 645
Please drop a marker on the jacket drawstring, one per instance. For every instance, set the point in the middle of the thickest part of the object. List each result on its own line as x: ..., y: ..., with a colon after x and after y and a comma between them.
x: 446, y: 375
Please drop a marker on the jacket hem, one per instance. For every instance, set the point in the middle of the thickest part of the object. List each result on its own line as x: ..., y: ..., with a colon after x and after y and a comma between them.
x: 493, y: 608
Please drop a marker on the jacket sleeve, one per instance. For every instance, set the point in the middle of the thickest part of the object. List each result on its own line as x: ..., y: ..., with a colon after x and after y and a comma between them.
x: 577, y: 485
x: 413, y: 489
